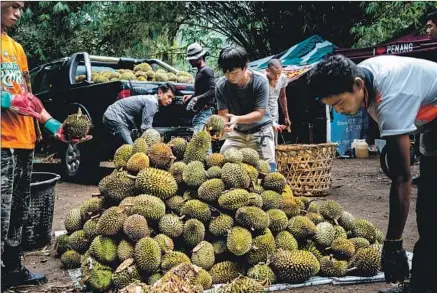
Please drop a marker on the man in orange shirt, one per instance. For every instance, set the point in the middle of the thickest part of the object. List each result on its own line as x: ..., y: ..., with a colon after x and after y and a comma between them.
x: 19, y: 109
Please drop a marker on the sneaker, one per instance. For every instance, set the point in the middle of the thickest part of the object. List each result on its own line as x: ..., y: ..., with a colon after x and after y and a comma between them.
x: 23, y: 276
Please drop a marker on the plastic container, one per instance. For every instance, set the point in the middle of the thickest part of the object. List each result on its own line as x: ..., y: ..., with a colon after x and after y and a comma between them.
x: 361, y: 148
x: 37, y: 230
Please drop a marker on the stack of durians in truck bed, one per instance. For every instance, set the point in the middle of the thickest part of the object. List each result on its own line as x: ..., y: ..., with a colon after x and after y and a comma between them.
x: 141, y: 72
x: 227, y: 216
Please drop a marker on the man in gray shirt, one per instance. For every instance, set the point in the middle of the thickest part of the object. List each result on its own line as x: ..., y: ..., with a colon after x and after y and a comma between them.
x: 242, y: 100
x: 129, y: 113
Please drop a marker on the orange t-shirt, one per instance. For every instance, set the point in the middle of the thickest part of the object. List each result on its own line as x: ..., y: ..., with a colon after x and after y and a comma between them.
x: 17, y: 131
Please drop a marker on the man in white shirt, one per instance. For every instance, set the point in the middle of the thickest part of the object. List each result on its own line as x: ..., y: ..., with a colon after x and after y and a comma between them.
x: 277, y: 85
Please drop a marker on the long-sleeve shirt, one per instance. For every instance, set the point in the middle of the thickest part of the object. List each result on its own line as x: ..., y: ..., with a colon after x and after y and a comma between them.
x: 134, y: 111
x: 204, y: 87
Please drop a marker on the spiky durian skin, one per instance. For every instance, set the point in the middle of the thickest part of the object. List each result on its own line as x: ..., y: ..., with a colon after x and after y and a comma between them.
x: 117, y: 186
x: 99, y: 280
x: 301, y: 227
x: 194, y: 232
x: 250, y: 156
x: 219, y: 247
x: 61, y: 245
x: 122, y: 155
x: 343, y: 248
x: 220, y: 225
x: 104, y: 249
x: 177, y: 170
x: 160, y: 155
x: 367, y: 262
x: 73, y: 221
x: 175, y: 203
x: 271, y: 199
x: 125, y: 277
x: 255, y: 200
x: 76, y: 126
x: 150, y: 207
x: 340, y: 232
x: 140, y: 146
x: 196, y: 209
x: 325, y: 234
x: 234, y: 176
x: 261, y: 273
x: 242, y: 284
x: 90, y: 207
x: 215, y: 159
x: 78, y: 241
x: 125, y: 250
x: 153, y: 278
x: 263, y: 246
x: 252, y: 218
x: 289, y: 205
x: 127, y: 76
x: 234, y: 199
x: 70, y: 259
x: 203, y: 255
x: 178, y: 146
x: 239, y: 241
x: 224, y: 272
x: 151, y: 136
x: 274, y: 181
x: 194, y: 174
x: 147, y: 255
x: 285, y: 240
x: 197, y: 148
x: 204, y: 279
x: 294, y: 266
x: 165, y: 243
x: 251, y: 171
x: 137, y: 162
x: 135, y: 227
x: 171, y: 225
x: 315, y: 218
x: 359, y: 242
x: 215, y: 125
x: 157, y: 182
x: 214, y: 172
x: 111, y: 221
x: 278, y: 220
x: 211, y: 190
x: 172, y: 259
x: 365, y: 229
x: 330, y: 209
x: 263, y: 167
x: 330, y: 267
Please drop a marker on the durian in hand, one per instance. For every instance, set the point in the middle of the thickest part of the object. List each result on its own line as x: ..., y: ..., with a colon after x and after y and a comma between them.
x: 76, y: 125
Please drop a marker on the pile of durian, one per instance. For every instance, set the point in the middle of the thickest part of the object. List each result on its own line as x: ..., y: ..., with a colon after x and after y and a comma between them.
x: 227, y: 215
x: 141, y: 72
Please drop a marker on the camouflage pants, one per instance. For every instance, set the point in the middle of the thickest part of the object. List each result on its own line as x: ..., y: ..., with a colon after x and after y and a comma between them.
x: 16, y: 169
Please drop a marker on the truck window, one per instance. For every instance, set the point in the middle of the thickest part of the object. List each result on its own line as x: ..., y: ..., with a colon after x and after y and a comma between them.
x: 46, y: 77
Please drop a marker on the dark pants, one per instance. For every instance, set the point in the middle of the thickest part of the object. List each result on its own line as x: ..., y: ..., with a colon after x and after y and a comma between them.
x: 16, y: 169
x: 118, y: 129
x: 424, y: 272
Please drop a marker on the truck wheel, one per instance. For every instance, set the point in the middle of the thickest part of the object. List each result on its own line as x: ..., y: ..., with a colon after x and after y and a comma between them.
x: 80, y: 164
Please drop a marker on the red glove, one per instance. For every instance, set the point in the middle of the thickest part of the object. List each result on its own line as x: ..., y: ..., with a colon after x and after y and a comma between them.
x: 25, y: 104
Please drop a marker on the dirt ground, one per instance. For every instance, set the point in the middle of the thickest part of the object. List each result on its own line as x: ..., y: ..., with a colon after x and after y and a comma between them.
x: 359, y: 185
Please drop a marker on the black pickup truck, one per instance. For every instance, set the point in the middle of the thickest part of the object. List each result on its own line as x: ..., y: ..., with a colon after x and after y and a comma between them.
x: 56, y: 84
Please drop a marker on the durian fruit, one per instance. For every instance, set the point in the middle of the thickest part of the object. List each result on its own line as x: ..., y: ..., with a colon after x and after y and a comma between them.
x: 331, y: 210
x: 285, y: 240
x: 172, y: 77
x: 78, y: 241
x: 137, y: 162
x: 211, y: 190
x: 262, y: 273
x: 147, y: 255
x: 250, y: 156
x: 140, y: 146
x: 342, y: 248
x: 294, y: 266
x: 204, y: 279
x: 340, y: 232
x: 153, y: 278
x: 325, y: 234
x: 151, y: 136
x: 122, y: 155
x: 310, y: 246
x: 365, y: 229
x: 317, y: 218
x: 90, y: 207
x: 225, y: 271
x: 219, y: 247
x: 194, y: 174
x: 124, y: 276
x: 61, y: 244
x: 100, y: 79
x: 127, y: 76
x: 242, y: 284
x: 142, y: 67
x: 76, y: 126
x: 111, y: 221
x: 176, y: 170
x: 366, y: 262
x: 214, y: 172
x: 99, y: 280
x: 239, y: 241
x: 359, y: 242
x: 80, y: 78
x: 301, y: 227
x: 234, y: 176
x: 313, y: 207
x: 113, y: 75
x: 198, y: 147
x: 178, y: 146
x: 125, y: 250
x: 165, y: 243
x: 379, y: 236
x: 215, y: 159
x: 251, y: 171
x: 104, y: 249
x: 175, y: 203
x: 263, y: 246
x: 330, y: 267
x: 185, y: 79
x: 172, y: 259
x: 150, y: 75
x: 220, y: 225
x: 171, y: 225
x: 234, y: 199
x: 194, y: 232
x: 271, y: 199
x: 278, y: 220
x: 157, y: 182
x: 215, y: 126
x: 118, y: 185
x: 274, y: 181
x: 141, y: 78
x: 73, y: 221
x: 255, y: 200
x: 233, y: 155
x: 185, y: 277
x: 70, y: 259
x: 135, y: 227
x: 196, y: 209
x: 160, y: 156
x: 203, y: 255
x: 289, y: 205
x: 140, y: 73
x: 150, y: 207
x: 161, y: 77
x: 263, y: 167
x: 252, y: 218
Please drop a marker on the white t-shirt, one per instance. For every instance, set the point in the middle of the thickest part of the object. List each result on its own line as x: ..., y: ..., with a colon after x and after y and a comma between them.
x: 274, y: 96
x: 406, y: 93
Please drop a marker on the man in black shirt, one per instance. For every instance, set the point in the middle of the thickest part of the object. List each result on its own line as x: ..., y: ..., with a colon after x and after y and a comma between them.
x: 203, y: 100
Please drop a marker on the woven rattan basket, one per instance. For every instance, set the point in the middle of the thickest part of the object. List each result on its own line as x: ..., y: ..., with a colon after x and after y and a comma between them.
x: 307, y: 167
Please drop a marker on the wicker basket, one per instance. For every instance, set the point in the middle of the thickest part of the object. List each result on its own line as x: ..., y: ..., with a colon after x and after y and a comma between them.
x: 307, y: 167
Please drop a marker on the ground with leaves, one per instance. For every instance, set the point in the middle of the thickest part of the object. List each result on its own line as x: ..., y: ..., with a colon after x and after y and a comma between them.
x: 359, y: 185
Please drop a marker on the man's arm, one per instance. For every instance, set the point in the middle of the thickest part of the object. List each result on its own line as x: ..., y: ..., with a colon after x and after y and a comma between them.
x: 208, y: 76
x: 284, y: 104
x: 149, y: 111
x: 398, y: 154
